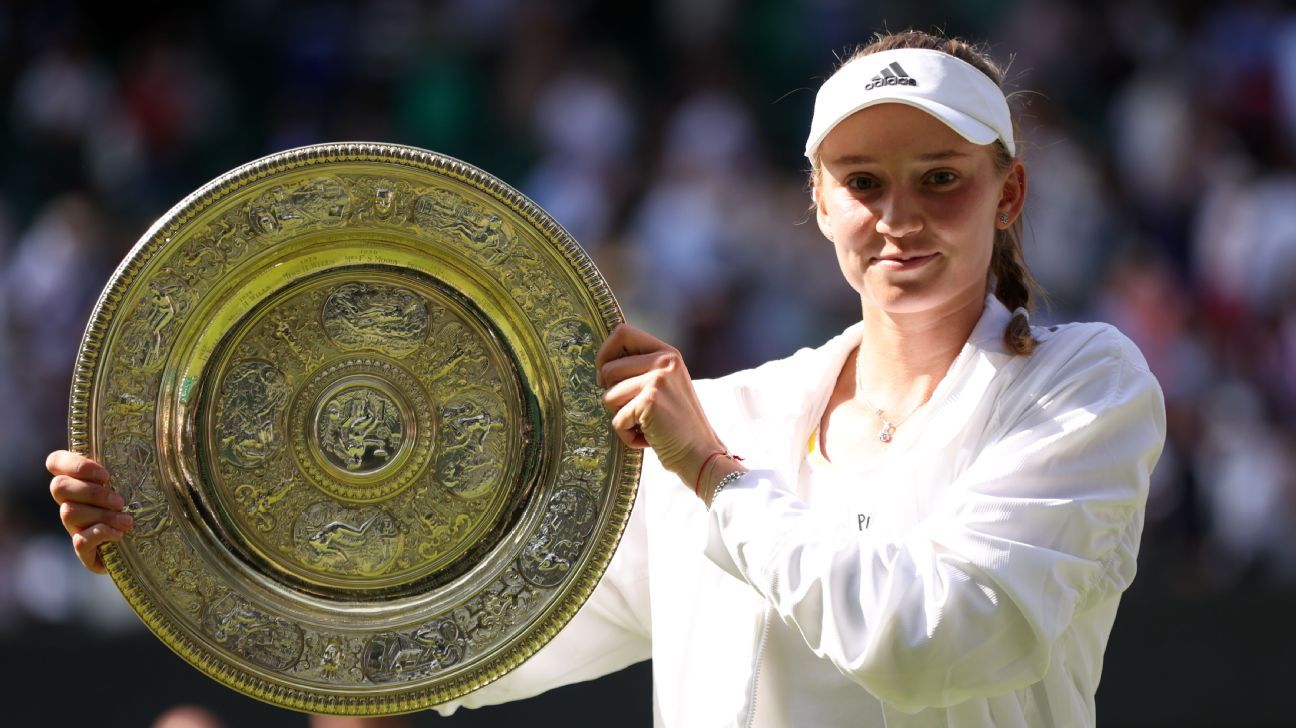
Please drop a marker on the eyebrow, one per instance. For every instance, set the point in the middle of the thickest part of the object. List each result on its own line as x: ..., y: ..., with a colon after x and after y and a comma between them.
x: 929, y: 157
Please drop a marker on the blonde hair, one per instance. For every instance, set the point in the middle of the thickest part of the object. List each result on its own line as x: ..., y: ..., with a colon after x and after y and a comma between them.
x: 1013, y: 283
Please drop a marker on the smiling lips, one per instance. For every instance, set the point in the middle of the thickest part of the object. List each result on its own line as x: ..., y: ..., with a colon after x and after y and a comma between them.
x: 904, y: 262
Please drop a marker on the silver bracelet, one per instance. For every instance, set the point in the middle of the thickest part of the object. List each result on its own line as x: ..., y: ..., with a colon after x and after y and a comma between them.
x: 725, y: 482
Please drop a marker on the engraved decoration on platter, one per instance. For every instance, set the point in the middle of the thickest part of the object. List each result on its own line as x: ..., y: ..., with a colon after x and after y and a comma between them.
x: 378, y: 427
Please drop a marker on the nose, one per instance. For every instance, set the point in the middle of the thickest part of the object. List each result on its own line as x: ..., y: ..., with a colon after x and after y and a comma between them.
x: 897, y: 216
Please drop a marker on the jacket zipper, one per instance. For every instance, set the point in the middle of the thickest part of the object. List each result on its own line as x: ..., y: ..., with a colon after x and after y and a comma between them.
x: 760, y: 656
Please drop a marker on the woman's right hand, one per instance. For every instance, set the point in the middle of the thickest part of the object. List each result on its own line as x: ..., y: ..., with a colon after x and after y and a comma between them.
x: 90, y: 510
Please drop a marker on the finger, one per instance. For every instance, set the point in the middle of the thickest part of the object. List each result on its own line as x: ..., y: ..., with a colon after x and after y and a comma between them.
x: 79, y: 516
x: 66, y: 489
x: 611, y: 349
x: 619, y: 394
x: 87, y: 545
x: 638, y: 341
x: 626, y: 425
x: 618, y: 370
x: 626, y: 340
x: 64, y: 462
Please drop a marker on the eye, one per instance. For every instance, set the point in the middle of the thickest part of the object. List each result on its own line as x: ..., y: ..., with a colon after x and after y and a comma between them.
x: 862, y: 183
x: 942, y: 177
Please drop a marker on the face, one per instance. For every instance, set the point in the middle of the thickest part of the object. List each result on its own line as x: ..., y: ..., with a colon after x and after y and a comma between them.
x: 912, y: 209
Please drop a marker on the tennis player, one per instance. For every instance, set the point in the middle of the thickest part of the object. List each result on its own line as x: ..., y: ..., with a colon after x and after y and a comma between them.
x: 927, y: 521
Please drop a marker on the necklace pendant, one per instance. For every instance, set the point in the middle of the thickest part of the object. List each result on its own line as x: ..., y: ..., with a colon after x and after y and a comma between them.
x: 888, y: 427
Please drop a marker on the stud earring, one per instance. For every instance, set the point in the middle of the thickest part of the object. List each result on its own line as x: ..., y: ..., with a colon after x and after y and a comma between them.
x: 1003, y: 218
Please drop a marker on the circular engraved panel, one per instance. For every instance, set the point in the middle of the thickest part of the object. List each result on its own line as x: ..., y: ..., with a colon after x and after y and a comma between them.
x: 348, y: 392
x: 252, y: 396
x: 359, y: 426
x: 357, y: 422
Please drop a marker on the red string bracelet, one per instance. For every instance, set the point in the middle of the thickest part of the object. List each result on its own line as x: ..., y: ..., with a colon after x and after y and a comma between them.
x: 697, y: 482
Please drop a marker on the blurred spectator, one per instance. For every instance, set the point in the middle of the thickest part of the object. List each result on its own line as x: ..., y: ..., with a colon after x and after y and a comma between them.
x: 61, y: 95
x: 586, y: 131
x: 685, y: 231
x: 47, y: 289
x: 1070, y: 219
x: 1246, y: 468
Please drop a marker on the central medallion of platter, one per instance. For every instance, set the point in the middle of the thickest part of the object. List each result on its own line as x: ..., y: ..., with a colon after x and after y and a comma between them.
x: 356, y: 439
x: 363, y: 428
x: 358, y: 427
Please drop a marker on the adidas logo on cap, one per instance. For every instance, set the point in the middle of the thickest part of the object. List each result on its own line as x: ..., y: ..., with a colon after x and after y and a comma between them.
x: 892, y: 75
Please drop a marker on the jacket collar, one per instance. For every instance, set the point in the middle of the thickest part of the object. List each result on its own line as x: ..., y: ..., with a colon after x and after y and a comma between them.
x: 806, y: 395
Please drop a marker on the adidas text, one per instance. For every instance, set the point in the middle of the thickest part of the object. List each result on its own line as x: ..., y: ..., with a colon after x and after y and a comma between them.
x: 890, y: 82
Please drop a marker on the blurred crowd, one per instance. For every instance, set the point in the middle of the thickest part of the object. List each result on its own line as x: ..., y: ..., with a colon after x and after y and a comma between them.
x: 1160, y: 138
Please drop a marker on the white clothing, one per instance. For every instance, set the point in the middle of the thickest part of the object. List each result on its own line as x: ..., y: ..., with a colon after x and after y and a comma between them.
x: 968, y: 580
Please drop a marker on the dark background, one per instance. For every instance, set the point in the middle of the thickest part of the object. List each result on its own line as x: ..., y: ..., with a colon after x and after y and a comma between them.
x: 666, y: 137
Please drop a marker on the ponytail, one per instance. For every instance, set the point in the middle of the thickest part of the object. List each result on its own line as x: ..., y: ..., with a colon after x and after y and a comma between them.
x: 1013, y: 285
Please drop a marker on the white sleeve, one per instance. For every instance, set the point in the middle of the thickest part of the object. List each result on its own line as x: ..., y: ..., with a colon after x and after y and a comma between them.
x: 969, y: 602
x: 610, y: 632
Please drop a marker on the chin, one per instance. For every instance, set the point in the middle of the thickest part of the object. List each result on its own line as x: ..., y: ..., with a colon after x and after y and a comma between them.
x: 918, y: 299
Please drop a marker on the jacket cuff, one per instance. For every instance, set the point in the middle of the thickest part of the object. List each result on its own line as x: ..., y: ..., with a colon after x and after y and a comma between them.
x: 749, y: 522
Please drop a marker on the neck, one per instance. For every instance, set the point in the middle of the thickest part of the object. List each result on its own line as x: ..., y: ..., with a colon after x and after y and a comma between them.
x: 903, y: 357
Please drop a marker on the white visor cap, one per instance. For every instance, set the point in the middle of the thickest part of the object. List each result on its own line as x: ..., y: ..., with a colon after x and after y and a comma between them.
x: 951, y: 90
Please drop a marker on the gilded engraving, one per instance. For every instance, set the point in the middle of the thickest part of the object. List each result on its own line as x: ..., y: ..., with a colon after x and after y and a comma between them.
x: 444, y: 520
x: 260, y: 497
x: 384, y: 318
x: 200, y: 260
x: 586, y: 452
x: 553, y: 551
x: 287, y: 330
x: 144, y: 339
x: 488, y: 233
x: 482, y: 229
x: 353, y: 542
x: 507, y: 602
x: 130, y: 407
x: 321, y: 201
x: 471, y: 455
x: 249, y: 425
x: 379, y: 199
x: 175, y: 561
x: 456, y: 357
x: 233, y: 234
x: 266, y: 640
x: 439, y: 209
x: 131, y: 460
x: 574, y: 345
x: 363, y: 428
x: 359, y: 429
x: 540, y: 295
x: 402, y: 656
x: 331, y: 659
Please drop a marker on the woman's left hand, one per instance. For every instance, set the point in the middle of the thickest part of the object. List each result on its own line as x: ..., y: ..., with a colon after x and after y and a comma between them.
x: 651, y: 393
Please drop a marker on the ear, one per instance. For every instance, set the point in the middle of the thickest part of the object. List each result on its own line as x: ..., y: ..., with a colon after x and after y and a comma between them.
x: 1012, y: 198
x: 821, y: 213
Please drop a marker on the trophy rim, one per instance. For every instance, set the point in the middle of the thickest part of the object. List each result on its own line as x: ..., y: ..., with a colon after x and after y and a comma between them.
x: 247, y: 678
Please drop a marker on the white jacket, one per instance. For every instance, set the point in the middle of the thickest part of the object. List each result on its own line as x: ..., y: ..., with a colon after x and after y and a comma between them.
x: 981, y: 592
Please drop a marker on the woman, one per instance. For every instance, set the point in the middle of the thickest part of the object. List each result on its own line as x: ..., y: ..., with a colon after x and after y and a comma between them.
x: 934, y: 514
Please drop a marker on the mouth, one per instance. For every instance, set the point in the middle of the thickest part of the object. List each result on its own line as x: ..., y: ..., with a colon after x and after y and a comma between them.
x: 904, y: 262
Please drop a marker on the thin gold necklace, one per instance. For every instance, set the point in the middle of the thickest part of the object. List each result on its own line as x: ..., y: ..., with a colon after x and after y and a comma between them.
x: 888, y: 425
